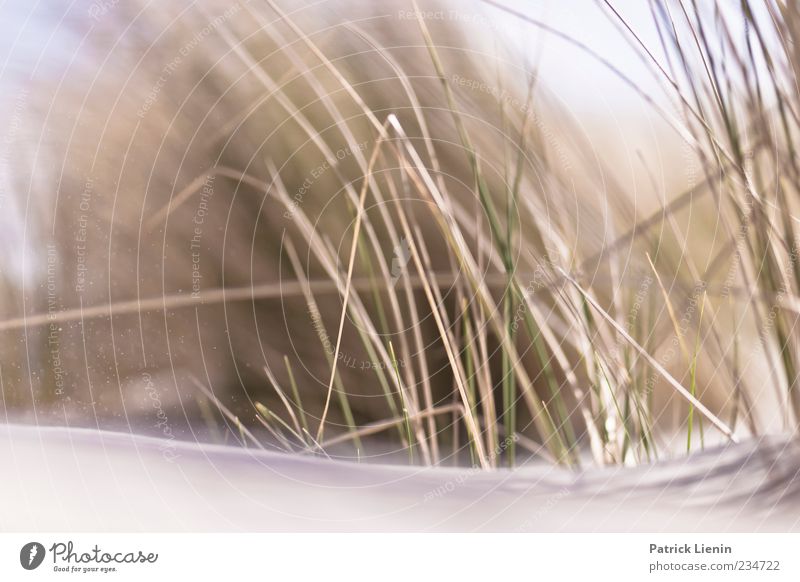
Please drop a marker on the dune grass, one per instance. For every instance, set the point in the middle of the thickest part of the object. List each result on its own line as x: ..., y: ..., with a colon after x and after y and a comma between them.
x: 485, y: 332
x: 536, y: 351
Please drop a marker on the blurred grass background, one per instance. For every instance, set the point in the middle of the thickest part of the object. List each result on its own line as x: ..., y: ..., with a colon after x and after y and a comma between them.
x: 420, y: 232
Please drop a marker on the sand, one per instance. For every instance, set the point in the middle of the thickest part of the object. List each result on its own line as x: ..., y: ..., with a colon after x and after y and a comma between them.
x: 58, y: 479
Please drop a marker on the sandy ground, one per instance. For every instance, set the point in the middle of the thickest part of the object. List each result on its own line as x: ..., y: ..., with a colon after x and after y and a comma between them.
x: 57, y: 479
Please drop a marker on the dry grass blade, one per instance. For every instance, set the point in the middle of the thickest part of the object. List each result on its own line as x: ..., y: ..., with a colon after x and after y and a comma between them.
x: 348, y: 280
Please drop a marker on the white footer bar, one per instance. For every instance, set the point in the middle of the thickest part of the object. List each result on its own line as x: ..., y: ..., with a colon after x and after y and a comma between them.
x: 401, y: 557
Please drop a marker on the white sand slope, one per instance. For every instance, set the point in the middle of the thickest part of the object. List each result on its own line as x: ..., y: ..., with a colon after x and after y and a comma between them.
x: 57, y: 479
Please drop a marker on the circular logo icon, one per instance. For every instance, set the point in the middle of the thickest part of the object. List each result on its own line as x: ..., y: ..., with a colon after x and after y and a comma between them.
x: 31, y: 555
